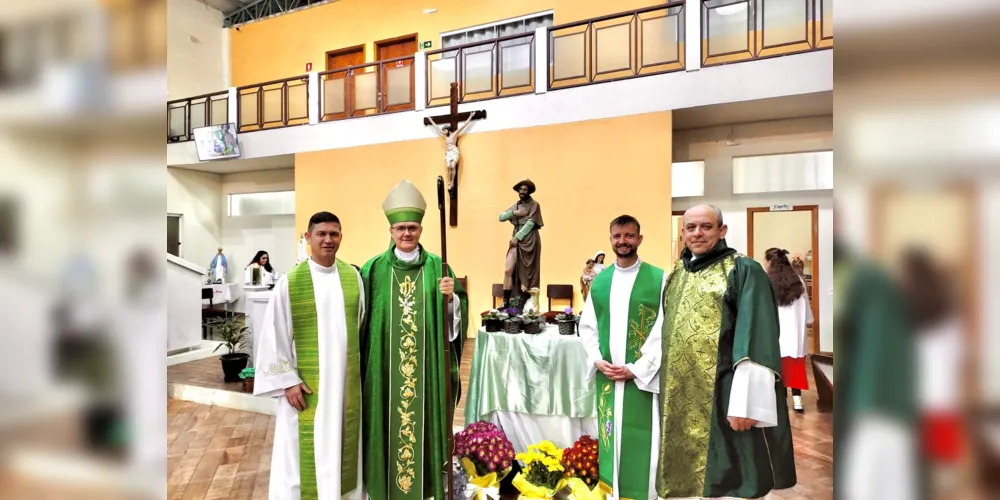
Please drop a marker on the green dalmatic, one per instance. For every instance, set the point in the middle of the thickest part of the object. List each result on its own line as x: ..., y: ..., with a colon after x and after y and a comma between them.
x: 719, y: 310
x: 405, y: 427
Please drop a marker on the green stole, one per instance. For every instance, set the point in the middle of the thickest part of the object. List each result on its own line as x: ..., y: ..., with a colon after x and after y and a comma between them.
x: 637, y: 408
x: 305, y: 331
x: 405, y: 424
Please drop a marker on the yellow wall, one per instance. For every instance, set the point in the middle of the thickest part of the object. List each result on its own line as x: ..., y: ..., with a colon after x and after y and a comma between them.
x: 280, y: 47
x: 791, y: 231
x: 587, y: 173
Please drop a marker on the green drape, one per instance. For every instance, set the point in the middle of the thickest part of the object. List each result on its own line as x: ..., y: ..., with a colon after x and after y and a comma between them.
x: 377, y: 274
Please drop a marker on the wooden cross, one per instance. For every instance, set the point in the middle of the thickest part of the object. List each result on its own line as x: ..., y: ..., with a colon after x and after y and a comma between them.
x: 453, y: 118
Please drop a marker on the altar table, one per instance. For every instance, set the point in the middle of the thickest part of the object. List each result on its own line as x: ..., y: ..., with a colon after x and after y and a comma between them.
x: 534, y: 387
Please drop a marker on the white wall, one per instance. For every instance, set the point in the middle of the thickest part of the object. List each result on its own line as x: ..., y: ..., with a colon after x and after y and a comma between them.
x: 779, y: 136
x: 198, y: 66
x: 243, y: 236
x: 198, y: 197
x: 781, y: 76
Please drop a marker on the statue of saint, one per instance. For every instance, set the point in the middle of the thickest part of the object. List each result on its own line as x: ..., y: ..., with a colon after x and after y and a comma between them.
x: 219, y: 268
x: 451, y: 145
x: 524, y: 254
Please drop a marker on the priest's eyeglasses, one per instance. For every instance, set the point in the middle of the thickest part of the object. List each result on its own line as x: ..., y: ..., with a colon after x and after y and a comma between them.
x: 410, y: 228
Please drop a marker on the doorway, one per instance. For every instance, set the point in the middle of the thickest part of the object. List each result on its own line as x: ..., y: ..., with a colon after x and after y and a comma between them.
x: 796, y: 230
x: 335, y: 89
x: 677, y: 238
x: 396, y: 80
x: 174, y: 234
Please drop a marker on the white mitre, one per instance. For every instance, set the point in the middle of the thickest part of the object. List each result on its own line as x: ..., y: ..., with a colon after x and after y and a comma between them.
x: 404, y: 204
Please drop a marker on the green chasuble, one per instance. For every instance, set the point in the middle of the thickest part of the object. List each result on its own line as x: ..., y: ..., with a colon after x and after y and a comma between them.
x: 637, y: 407
x: 405, y: 430
x: 719, y: 310
x: 305, y: 330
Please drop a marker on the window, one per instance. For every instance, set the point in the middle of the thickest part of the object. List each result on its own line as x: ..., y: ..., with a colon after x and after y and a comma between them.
x: 687, y: 178
x: 273, y: 203
x: 783, y: 172
x: 518, y: 25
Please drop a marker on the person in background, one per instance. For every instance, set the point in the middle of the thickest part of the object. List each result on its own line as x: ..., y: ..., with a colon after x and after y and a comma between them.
x: 794, y: 313
x: 268, y: 276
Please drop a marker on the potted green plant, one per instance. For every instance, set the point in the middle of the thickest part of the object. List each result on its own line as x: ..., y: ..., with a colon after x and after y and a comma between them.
x: 567, y: 321
x: 247, y: 376
x: 513, y: 322
x: 232, y: 330
x: 493, y: 320
x: 532, y: 322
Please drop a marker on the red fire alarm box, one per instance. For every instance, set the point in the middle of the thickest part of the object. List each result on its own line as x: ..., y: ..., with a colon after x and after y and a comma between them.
x: 309, y: 66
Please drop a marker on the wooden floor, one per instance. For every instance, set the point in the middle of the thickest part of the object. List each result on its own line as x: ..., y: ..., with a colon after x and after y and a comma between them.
x: 215, y: 453
x: 202, y: 373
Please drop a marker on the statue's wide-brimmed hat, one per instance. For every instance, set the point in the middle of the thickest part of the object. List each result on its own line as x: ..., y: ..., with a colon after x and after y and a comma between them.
x: 526, y: 182
x: 404, y: 204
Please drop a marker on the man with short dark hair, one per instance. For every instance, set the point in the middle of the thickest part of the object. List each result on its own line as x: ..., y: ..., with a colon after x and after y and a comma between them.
x: 724, y: 428
x: 620, y: 329
x: 309, y: 357
x: 523, y: 264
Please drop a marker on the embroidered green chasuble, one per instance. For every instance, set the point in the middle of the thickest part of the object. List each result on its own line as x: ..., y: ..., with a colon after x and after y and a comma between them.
x: 637, y: 407
x: 405, y: 429
x: 305, y: 330
x: 718, y: 310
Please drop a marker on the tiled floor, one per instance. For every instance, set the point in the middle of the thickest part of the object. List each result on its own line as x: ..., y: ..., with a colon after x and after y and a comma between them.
x: 215, y: 453
x: 202, y: 373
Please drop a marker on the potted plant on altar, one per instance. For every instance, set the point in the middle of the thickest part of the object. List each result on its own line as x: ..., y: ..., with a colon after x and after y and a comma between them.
x: 247, y: 376
x: 580, y: 464
x: 493, y: 320
x: 567, y: 322
x: 532, y: 322
x: 232, y: 330
x: 513, y: 322
x: 542, y: 471
x: 486, y: 456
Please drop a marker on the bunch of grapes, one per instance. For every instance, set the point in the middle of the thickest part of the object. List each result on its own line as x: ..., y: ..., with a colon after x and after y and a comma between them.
x: 486, y: 446
x: 581, y: 460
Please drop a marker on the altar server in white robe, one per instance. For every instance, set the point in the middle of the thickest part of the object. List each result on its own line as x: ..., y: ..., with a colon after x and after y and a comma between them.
x: 620, y: 329
x: 308, y: 356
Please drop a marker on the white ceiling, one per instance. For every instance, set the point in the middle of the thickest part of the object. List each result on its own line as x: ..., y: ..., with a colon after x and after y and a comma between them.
x: 241, y: 164
x: 778, y: 108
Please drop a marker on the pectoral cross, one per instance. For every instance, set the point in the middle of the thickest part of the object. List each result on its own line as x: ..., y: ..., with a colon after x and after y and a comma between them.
x: 451, y: 132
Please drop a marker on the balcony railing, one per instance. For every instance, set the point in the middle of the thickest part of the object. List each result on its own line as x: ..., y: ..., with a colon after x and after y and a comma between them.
x: 274, y: 104
x: 641, y: 42
x: 743, y: 30
x: 185, y: 115
x: 367, y: 89
x: 488, y: 69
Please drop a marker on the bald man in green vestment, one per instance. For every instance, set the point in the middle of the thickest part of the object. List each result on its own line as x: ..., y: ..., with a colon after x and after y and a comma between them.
x: 724, y: 428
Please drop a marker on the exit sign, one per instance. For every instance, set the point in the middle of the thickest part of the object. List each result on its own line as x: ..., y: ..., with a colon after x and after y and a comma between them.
x: 425, y: 44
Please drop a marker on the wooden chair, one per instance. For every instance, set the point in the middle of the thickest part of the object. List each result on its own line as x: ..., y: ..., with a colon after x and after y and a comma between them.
x: 497, y: 293
x: 212, y: 311
x: 823, y: 374
x: 464, y: 281
x: 558, y: 292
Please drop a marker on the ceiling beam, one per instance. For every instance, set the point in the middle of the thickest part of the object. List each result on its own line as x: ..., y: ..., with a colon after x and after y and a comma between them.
x: 262, y: 9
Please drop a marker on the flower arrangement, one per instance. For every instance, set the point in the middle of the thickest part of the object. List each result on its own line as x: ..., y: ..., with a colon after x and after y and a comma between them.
x: 543, y: 470
x: 566, y: 315
x: 580, y: 461
x: 493, y: 320
x: 486, y: 446
x: 247, y: 376
x: 532, y: 322
x: 513, y: 322
x: 486, y: 456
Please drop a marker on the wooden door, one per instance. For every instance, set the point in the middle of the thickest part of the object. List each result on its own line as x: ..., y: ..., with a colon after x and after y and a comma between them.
x: 393, y: 92
x: 755, y: 249
x: 335, y: 91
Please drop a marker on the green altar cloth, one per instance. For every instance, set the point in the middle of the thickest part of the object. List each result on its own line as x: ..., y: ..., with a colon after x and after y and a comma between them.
x: 544, y: 374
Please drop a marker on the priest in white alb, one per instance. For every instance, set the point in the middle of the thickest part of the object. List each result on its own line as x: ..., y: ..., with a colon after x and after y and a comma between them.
x: 308, y: 356
x: 620, y: 329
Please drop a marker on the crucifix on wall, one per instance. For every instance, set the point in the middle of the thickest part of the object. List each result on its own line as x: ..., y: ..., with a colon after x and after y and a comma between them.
x: 447, y: 126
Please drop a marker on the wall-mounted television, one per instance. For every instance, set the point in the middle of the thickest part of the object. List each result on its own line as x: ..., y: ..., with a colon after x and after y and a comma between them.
x: 217, y: 142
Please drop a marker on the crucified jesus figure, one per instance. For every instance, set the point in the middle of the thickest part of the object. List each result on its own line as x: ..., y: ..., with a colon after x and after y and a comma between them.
x: 451, y: 146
